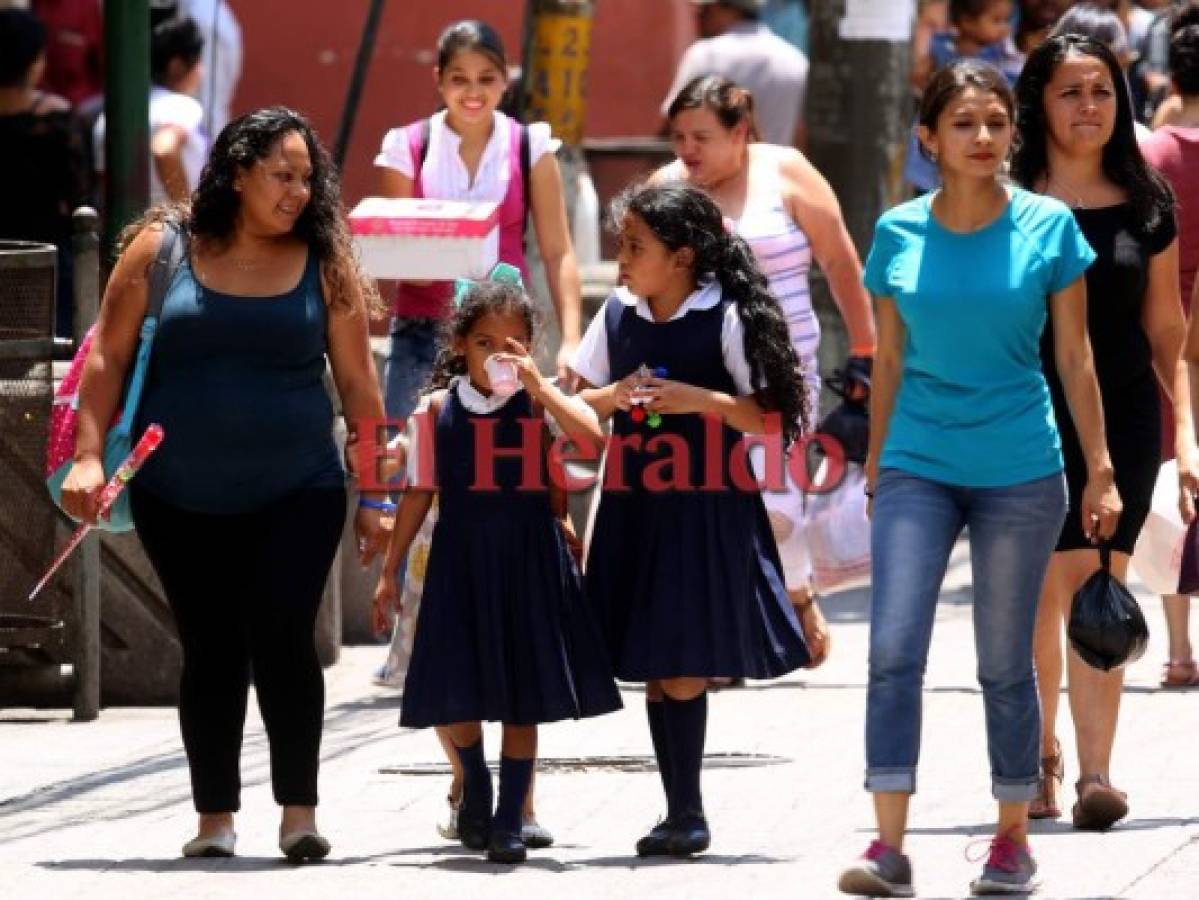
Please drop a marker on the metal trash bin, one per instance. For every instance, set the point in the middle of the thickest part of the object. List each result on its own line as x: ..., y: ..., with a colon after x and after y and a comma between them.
x: 28, y: 631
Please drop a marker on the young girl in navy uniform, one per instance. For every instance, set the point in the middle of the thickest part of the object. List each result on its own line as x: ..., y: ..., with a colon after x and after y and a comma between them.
x: 504, y: 634
x: 685, y: 575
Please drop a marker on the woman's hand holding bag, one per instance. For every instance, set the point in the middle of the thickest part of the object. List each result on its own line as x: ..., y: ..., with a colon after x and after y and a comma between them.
x: 1107, y: 628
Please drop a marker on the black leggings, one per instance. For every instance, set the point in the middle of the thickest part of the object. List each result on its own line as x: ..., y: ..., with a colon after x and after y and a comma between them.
x: 245, y: 591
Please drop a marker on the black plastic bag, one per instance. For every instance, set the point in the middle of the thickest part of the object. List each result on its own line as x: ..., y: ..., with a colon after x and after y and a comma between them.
x: 849, y: 425
x: 849, y: 422
x: 1107, y: 628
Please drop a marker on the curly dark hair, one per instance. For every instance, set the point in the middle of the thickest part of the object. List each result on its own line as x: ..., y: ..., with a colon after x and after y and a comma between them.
x: 484, y: 298
x: 211, y: 216
x: 681, y: 215
x: 1148, y: 193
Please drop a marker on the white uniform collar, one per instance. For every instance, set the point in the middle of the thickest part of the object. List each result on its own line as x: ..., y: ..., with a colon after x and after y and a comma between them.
x: 439, y: 131
x: 707, y: 295
x: 473, y: 400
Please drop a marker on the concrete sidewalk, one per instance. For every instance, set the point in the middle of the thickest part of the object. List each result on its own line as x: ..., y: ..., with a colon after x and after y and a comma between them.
x: 100, y: 810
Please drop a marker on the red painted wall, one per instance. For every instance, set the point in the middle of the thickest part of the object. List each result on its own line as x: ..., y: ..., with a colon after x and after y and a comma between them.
x: 301, y: 53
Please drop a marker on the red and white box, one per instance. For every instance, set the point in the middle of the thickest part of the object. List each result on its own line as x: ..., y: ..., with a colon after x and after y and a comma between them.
x: 419, y: 239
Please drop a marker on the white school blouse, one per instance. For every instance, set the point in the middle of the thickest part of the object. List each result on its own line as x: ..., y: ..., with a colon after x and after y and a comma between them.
x: 591, y: 362
x: 445, y: 176
x: 475, y: 402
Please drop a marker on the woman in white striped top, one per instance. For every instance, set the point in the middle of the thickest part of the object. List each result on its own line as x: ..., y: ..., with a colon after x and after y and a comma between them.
x: 788, y: 213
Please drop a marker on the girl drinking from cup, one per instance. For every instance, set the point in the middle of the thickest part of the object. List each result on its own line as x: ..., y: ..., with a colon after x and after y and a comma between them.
x: 503, y: 635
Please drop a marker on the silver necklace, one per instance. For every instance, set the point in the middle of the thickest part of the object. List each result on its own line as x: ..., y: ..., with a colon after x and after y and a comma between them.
x: 1078, y: 203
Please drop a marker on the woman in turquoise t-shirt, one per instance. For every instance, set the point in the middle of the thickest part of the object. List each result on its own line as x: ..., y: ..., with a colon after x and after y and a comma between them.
x: 964, y: 436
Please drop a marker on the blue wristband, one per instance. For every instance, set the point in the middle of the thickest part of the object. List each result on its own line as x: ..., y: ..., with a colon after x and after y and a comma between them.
x: 381, y: 505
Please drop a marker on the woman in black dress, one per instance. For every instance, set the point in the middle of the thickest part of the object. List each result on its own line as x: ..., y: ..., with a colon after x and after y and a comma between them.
x: 1078, y: 145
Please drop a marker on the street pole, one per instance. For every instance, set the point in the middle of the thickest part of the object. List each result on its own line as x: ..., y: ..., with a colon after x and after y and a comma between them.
x: 362, y: 63
x: 126, y: 115
x: 557, y: 54
x: 858, y: 111
x: 858, y: 116
x: 556, y: 57
x: 86, y: 248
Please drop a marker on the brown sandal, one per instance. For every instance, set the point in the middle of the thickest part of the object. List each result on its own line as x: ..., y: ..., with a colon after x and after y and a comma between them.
x: 1180, y: 673
x: 1099, y: 808
x: 1053, y: 769
x: 820, y: 650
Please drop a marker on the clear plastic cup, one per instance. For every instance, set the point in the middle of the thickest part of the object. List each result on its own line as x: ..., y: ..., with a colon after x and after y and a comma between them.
x: 501, y: 373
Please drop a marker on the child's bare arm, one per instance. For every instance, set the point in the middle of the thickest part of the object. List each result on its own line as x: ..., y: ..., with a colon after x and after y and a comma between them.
x: 414, y: 506
x: 417, y: 499
x: 574, y: 416
x: 606, y: 400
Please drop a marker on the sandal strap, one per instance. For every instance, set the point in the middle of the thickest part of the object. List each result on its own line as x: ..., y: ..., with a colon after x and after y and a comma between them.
x: 1054, y: 766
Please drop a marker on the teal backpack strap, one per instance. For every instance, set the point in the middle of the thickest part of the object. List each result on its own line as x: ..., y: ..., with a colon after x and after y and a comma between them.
x: 171, y: 251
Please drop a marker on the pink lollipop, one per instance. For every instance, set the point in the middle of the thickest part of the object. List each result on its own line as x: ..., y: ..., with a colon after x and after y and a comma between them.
x: 123, y: 475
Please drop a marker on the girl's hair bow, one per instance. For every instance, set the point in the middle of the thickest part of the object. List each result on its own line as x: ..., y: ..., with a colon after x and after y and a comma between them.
x: 504, y: 273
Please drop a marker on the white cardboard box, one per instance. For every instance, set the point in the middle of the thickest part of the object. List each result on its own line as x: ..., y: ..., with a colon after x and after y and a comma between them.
x: 420, y: 239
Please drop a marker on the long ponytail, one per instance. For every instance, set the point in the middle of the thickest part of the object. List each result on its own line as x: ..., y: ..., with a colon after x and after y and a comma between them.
x: 681, y: 215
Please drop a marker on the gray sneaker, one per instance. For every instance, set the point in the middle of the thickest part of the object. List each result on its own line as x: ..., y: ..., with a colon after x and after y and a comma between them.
x: 449, y: 829
x: 1010, y: 869
x: 534, y: 835
x: 881, y: 872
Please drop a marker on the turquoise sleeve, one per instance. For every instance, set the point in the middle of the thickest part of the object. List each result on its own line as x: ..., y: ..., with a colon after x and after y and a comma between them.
x: 878, y: 262
x: 1072, y: 254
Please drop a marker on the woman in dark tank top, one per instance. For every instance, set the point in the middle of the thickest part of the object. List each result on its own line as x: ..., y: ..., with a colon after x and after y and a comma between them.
x: 241, y: 509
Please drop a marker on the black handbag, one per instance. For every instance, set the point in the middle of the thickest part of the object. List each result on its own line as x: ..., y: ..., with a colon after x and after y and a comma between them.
x: 1107, y: 628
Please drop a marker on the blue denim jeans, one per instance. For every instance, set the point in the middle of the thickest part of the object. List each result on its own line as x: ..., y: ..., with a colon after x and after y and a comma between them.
x: 1012, y: 534
x: 409, y: 363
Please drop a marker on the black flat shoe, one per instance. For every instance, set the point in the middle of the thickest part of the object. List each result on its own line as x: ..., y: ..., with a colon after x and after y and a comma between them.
x: 504, y: 847
x: 474, y: 828
x: 688, y: 836
x: 656, y: 843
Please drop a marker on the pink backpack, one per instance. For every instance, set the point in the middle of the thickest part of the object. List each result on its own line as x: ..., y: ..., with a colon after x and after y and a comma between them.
x: 64, y: 415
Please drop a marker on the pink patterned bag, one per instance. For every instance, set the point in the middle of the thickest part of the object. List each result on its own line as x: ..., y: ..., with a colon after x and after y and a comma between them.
x: 64, y: 415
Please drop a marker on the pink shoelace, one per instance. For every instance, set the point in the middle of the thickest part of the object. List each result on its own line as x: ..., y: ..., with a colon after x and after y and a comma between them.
x: 1003, y: 853
x: 876, y: 849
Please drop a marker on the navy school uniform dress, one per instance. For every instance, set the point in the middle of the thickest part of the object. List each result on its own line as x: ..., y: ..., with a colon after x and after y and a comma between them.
x: 685, y: 582
x: 504, y: 634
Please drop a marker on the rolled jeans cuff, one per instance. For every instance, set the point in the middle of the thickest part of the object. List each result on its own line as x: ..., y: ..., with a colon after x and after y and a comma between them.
x: 1014, y: 790
x: 891, y: 781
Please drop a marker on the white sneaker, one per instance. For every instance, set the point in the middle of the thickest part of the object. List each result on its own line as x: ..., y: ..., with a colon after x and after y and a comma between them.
x: 449, y: 830
x: 220, y: 844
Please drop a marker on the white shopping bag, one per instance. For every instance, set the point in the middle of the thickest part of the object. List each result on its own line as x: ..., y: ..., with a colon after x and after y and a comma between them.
x: 1157, y: 557
x: 838, y: 533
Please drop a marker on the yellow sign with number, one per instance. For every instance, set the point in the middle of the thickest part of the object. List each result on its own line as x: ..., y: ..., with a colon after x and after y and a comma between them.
x: 557, y: 87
